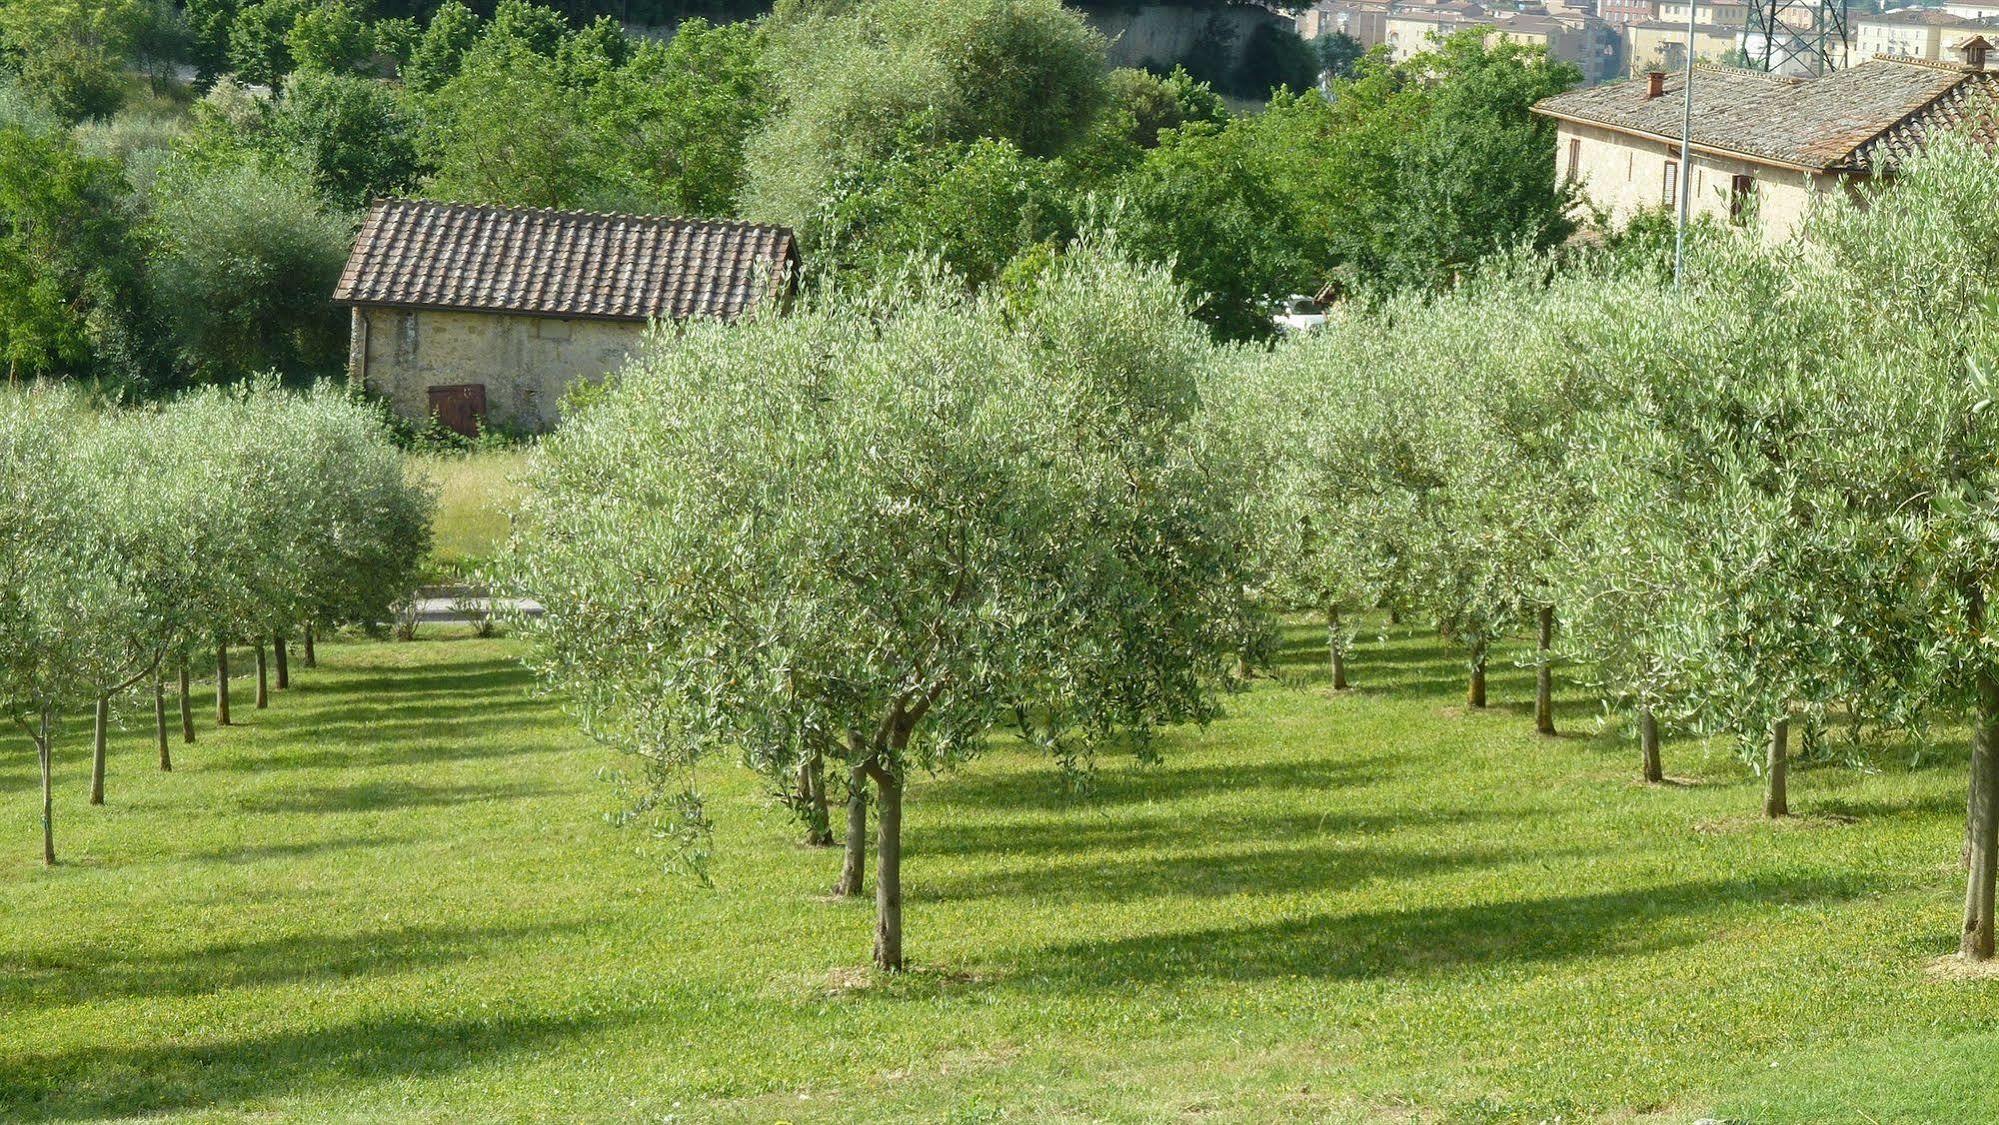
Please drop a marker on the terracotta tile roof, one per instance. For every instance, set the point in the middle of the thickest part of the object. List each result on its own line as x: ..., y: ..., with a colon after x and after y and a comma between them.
x: 1918, y: 17
x: 1878, y: 109
x: 416, y: 254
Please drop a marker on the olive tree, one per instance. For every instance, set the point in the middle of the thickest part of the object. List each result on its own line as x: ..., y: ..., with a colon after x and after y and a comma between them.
x: 65, y: 601
x: 886, y: 526
x: 1906, y: 290
x: 1319, y: 434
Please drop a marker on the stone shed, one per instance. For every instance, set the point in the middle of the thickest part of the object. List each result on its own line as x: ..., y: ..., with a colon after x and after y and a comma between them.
x: 488, y: 314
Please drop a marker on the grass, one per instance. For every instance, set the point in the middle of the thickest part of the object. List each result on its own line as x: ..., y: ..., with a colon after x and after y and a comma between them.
x: 394, y: 895
x: 474, y: 491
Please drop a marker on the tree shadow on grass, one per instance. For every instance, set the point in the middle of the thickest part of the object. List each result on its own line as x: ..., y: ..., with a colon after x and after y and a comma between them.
x: 452, y: 680
x: 264, y: 853
x: 1381, y: 943
x: 1083, y: 835
x: 1049, y: 789
x: 223, y: 1072
x: 1948, y: 806
x: 83, y: 973
x: 1329, y: 864
x: 378, y: 795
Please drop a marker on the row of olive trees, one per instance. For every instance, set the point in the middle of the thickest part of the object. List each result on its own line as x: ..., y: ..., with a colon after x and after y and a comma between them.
x: 871, y: 534
x: 1763, y: 503
x: 134, y: 543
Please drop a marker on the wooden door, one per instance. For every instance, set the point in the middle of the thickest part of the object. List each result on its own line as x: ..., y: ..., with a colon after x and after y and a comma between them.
x: 459, y: 408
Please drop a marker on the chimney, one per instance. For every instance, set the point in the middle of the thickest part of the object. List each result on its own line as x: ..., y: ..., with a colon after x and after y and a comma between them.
x: 1655, y: 84
x: 1973, y: 50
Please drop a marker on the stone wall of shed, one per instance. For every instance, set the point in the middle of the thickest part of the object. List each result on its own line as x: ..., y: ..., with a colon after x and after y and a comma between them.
x: 525, y: 362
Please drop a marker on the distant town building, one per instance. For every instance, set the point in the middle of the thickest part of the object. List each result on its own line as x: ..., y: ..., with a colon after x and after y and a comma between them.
x: 1973, y: 9
x: 1917, y: 33
x: 1591, y: 45
x: 1762, y: 145
x: 1662, y: 45
x: 1365, y: 22
x: 1410, y: 30
x: 473, y: 313
x: 1716, y: 13
x: 1623, y: 13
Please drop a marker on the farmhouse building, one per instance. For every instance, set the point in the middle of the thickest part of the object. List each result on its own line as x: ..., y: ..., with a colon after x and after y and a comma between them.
x: 477, y: 314
x: 1774, y: 141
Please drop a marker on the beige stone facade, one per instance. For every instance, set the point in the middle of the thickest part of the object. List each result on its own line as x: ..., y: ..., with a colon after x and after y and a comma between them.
x: 523, y: 363
x: 1624, y: 175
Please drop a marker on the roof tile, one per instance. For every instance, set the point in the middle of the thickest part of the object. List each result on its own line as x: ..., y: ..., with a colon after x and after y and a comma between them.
x: 417, y: 254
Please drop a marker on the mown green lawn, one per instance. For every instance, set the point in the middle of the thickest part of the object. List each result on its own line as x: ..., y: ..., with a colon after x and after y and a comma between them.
x: 395, y: 895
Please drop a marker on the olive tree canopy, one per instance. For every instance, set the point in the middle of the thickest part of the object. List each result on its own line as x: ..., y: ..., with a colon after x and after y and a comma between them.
x: 887, y: 525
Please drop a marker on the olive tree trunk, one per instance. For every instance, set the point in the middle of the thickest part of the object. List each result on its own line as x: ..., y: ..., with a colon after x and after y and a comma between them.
x: 311, y: 657
x: 263, y: 677
x: 42, y: 749
x: 1777, y: 795
x: 1544, y: 674
x: 99, y: 740
x: 1648, y: 744
x: 1475, y: 695
x: 812, y: 793
x: 853, y: 870
x: 160, y: 722
x: 186, y: 707
x: 280, y: 654
x: 222, y: 683
x: 1982, y: 821
x: 888, y: 871
x: 1336, y: 647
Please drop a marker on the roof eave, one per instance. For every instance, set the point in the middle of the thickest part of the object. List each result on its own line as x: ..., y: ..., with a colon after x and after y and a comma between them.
x: 537, y: 314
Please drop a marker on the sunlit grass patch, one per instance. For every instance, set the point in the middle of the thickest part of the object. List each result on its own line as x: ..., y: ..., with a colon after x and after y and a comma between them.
x: 395, y: 894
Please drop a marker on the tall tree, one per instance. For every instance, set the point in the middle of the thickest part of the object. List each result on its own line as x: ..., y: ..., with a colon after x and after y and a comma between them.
x: 858, y: 83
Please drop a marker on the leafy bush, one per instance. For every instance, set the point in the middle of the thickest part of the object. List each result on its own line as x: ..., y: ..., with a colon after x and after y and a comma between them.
x: 243, y: 262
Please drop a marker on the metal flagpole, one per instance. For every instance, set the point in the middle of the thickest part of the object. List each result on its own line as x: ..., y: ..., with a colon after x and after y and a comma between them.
x: 1686, y: 176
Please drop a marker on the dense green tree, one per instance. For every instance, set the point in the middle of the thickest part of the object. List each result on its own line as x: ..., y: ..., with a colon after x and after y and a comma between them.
x: 208, y: 26
x: 591, y: 53
x: 260, y: 40
x: 1339, y: 54
x: 1139, y: 106
x: 537, y: 154
x: 1412, y: 173
x: 436, y: 57
x: 1205, y: 200
x: 528, y: 26
x: 357, y: 137
x: 72, y: 53
x: 70, y: 297
x: 859, y: 83
x: 397, y: 38
x: 671, y: 124
x: 1274, y: 58
x: 243, y: 260
x: 973, y: 207
x: 664, y: 132
x: 330, y: 39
